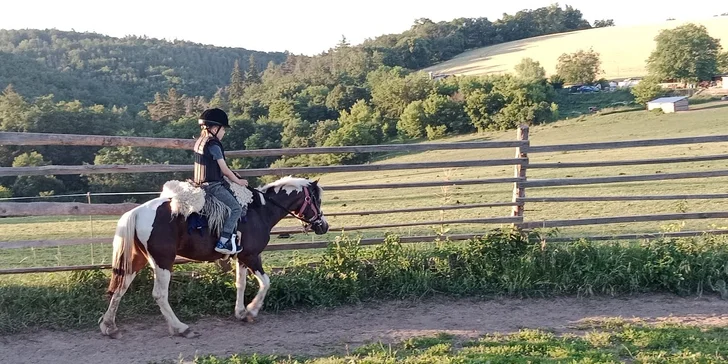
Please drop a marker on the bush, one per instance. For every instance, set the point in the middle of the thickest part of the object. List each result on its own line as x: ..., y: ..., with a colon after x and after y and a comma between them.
x: 5, y: 192
x: 436, y: 132
x: 647, y: 90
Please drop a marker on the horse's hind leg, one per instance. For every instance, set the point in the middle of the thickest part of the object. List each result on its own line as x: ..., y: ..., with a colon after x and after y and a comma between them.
x: 107, y: 322
x: 255, y: 265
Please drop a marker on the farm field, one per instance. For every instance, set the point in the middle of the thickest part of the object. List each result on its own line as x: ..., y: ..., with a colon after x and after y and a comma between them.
x: 624, y: 49
x: 703, y: 119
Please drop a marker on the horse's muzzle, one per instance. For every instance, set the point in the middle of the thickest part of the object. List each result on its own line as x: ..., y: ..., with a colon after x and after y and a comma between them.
x: 320, y: 226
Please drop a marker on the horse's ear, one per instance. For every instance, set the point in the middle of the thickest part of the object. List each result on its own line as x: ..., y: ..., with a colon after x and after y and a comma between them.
x: 316, y: 181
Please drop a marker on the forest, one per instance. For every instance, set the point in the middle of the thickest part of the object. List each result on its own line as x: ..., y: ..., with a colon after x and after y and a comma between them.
x: 83, y: 83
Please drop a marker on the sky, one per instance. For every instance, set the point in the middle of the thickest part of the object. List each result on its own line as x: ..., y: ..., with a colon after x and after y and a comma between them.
x: 305, y: 27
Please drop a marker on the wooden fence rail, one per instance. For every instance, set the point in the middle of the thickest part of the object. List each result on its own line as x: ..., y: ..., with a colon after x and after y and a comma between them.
x: 618, y: 179
x: 624, y: 198
x: 627, y: 144
x: 12, y: 138
x: 23, y: 209
x: 251, y: 172
x: 624, y: 219
x: 635, y: 162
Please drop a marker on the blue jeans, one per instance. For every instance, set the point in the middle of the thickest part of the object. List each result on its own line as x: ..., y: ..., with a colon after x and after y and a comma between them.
x: 226, y: 196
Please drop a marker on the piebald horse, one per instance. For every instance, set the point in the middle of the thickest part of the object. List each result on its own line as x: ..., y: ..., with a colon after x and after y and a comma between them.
x: 151, y: 233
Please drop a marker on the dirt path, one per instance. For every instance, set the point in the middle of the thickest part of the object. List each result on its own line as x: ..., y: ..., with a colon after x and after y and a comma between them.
x: 323, y: 332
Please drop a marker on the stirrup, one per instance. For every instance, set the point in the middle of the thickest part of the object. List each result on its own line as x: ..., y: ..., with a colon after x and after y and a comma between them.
x: 224, y: 248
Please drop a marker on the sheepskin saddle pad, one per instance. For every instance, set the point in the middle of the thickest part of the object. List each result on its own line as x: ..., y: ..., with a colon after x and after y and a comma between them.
x: 186, y: 199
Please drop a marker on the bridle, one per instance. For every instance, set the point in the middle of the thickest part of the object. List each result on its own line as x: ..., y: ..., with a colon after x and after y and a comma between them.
x: 301, y: 213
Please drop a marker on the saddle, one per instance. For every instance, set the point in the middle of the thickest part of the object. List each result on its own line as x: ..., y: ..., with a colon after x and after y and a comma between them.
x: 200, y: 209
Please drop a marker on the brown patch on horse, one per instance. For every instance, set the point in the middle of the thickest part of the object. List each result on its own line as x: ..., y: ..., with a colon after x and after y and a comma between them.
x: 138, y: 261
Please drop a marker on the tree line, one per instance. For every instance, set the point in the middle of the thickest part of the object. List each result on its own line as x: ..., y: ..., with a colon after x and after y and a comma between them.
x: 348, y: 95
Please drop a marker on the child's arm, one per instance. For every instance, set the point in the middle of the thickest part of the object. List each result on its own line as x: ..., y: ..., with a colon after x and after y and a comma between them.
x: 217, y: 155
x: 229, y: 174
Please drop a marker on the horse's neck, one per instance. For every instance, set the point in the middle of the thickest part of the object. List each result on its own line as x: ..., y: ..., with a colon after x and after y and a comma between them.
x: 275, y: 214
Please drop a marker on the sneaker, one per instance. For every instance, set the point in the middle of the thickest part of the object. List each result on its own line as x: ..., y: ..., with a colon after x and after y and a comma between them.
x: 224, y: 248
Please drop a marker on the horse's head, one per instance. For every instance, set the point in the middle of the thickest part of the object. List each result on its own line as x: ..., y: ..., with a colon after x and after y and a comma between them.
x: 310, y: 210
x: 302, y: 198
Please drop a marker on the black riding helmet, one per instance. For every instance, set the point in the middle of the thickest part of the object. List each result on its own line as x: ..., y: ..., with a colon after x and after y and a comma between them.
x: 214, y: 117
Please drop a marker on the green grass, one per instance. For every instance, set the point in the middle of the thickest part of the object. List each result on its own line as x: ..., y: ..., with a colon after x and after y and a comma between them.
x: 704, y: 119
x: 499, y: 264
x: 633, y: 343
x: 623, y: 49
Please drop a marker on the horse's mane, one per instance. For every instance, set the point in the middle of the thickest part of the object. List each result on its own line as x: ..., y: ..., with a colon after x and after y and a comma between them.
x: 288, y: 184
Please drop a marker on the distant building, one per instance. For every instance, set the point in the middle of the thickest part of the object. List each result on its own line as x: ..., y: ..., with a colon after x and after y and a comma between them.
x: 436, y: 77
x: 669, y: 104
x: 629, y: 82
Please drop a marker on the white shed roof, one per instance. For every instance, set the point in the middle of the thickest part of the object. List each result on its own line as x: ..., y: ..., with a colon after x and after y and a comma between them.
x: 668, y: 100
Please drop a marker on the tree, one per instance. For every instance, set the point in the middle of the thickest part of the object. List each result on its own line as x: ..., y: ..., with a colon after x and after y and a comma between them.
x: 15, y: 112
x: 579, y: 67
x: 723, y: 62
x: 34, y: 185
x: 603, y: 23
x: 686, y: 53
x: 648, y: 89
x: 530, y: 70
x: 252, y: 75
x: 438, y: 112
x: 361, y: 126
x: 482, y: 106
x: 237, y: 83
x: 556, y: 81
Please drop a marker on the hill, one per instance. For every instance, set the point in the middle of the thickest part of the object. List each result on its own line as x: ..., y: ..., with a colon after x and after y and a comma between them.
x: 106, y: 70
x: 624, y: 49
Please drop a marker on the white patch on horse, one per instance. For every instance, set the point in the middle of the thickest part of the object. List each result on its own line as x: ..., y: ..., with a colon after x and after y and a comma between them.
x: 145, y: 218
x: 257, y: 302
x: 288, y: 184
x: 241, y: 276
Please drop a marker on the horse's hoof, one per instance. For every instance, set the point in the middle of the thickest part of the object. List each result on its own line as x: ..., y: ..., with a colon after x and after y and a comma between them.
x: 248, y: 318
x: 189, y: 334
x: 110, y: 330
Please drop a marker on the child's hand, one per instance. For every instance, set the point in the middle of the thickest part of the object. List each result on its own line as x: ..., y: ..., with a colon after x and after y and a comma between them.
x: 242, y: 182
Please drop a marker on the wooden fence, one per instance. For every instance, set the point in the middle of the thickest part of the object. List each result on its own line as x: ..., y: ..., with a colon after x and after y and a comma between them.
x: 520, y: 183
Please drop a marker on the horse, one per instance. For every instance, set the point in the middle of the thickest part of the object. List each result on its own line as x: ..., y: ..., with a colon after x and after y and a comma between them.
x: 156, y: 232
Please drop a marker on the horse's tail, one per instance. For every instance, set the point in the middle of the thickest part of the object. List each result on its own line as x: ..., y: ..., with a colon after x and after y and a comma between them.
x: 121, y: 263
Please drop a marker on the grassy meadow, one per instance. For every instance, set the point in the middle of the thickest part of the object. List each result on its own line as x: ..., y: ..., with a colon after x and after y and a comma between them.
x: 703, y: 119
x: 620, y: 59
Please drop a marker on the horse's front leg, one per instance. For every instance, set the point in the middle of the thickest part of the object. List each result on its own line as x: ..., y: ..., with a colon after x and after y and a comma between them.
x: 241, y: 275
x: 256, y: 266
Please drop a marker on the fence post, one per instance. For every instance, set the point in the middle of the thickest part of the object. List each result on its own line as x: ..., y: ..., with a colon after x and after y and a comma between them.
x: 519, y: 171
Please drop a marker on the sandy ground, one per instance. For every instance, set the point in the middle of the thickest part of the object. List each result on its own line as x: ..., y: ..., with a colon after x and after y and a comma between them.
x: 326, y: 332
